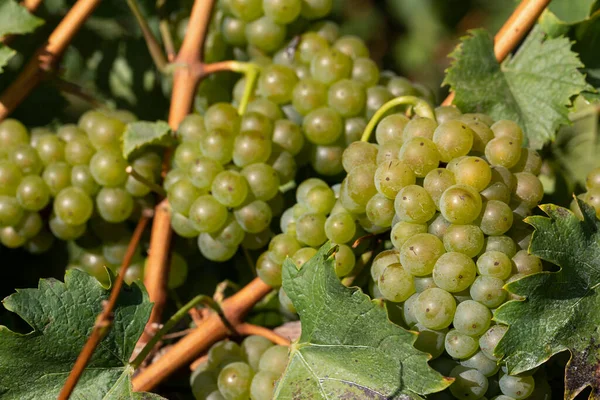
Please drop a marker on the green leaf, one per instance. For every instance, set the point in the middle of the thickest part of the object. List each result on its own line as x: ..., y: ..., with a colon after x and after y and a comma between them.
x: 532, y: 88
x: 561, y: 309
x: 6, y: 53
x: 15, y: 19
x: 143, y: 133
x: 562, y: 15
x: 62, y: 315
x: 348, y: 347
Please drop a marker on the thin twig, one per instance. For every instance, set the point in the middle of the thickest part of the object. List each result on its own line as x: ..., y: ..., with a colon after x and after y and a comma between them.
x: 176, y: 335
x: 104, y: 320
x: 46, y: 57
x: 513, y: 30
x: 165, y: 30
x: 154, y: 48
x: 153, y: 186
x: 76, y: 90
x: 250, y: 329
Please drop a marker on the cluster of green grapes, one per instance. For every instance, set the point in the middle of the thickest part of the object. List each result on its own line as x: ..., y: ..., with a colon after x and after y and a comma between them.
x: 592, y: 195
x: 240, y: 372
x: 454, y: 193
x: 74, y: 174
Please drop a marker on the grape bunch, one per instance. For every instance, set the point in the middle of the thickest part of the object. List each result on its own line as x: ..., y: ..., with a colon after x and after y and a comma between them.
x: 592, y: 195
x: 70, y: 176
x: 240, y: 372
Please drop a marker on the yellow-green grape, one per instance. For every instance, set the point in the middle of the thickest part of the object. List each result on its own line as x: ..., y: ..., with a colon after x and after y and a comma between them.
x: 402, y: 231
x: 419, y: 127
x: 453, y: 139
x: 382, y: 260
x: 421, y: 154
x: 454, y: 272
x: 437, y: 181
x: 395, y: 283
x: 460, y: 204
x: 420, y: 252
x: 391, y: 176
x: 474, y: 172
x: 413, y: 204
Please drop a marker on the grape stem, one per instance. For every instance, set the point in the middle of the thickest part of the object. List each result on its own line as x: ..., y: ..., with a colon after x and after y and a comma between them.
x: 154, y: 48
x: 513, y: 30
x: 165, y: 30
x: 421, y: 107
x: 104, y: 320
x: 250, y: 71
x: 153, y: 186
x: 46, y: 57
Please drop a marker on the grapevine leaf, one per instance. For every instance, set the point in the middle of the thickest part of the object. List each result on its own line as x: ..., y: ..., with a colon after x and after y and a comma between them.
x: 348, y: 347
x: 15, y: 19
x: 532, y: 88
x: 560, y: 310
x: 562, y: 15
x: 35, y: 365
x: 143, y: 133
x: 6, y: 53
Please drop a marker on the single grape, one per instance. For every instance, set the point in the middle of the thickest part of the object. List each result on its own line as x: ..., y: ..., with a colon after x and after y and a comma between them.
x: 474, y: 172
x: 496, y: 218
x: 501, y: 243
x: 181, y: 195
x: 173, y: 176
x: 365, y: 71
x: 466, y: 239
x: 461, y: 346
x: 106, y: 133
x: 51, y: 149
x: 453, y: 139
x: 303, y: 255
x: 73, y: 205
x: 460, y: 204
x: 340, y: 228
x: 517, y: 387
x: 468, y: 383
x: 357, y: 154
x: 530, y: 161
x: 283, y: 246
x: 251, y: 147
x: 454, y: 272
x: 391, y: 128
x: 265, y: 34
x: 26, y: 159
x: 263, y: 385
x: 217, y: 145
x: 191, y: 129
x: 213, y: 249
x: 395, y: 283
x: 309, y: 94
x: 10, y: 178
x: 472, y: 318
x: 323, y: 126
x: 114, y: 204
x: 186, y: 154
x: 508, y: 129
x: 413, y: 204
x: 276, y: 83
x: 420, y: 154
x: 64, y: 231
x: 274, y: 359
x: 437, y: 181
x: 408, y: 311
x: 526, y: 263
x: 12, y: 134
x: 481, y: 363
x: 434, y: 308
x: 402, y: 231
x: 327, y: 160
x: 264, y: 107
x: 419, y: 127
x: 420, y: 252
x: 347, y: 97
x: 503, y: 151
x: 310, y: 229
x: 108, y: 167
x: 330, y: 65
x: 489, y: 340
x: 360, y: 185
x: 288, y: 136
x: 482, y: 134
x: 202, y: 172
x: 380, y: 210
x: 222, y: 117
x: 390, y: 177
x: 57, y: 176
x: 254, y: 216
x: 234, y: 381
x: 230, y: 188
x: 529, y: 189
x: 488, y: 291
x: 207, y: 214
x: 268, y: 270
x: 495, y: 264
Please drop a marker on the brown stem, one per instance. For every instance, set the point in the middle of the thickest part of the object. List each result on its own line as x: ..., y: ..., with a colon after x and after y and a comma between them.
x: 76, y: 90
x: 105, y: 318
x: 199, y: 340
x: 513, y: 31
x: 46, y: 57
x: 198, y: 361
x: 31, y: 5
x: 250, y: 329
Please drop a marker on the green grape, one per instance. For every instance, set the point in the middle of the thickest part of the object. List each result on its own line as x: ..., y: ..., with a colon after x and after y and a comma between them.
x: 503, y: 151
x: 461, y: 346
x: 265, y: 108
x: 207, y: 214
x: 381, y: 262
x: 274, y: 360
x: 526, y: 263
x: 489, y: 340
x: 246, y: 10
x: 231, y: 234
x: 377, y: 96
x: 29, y: 225
x: 285, y: 165
x: 408, y: 311
x: 277, y: 82
x: 517, y: 387
x: 488, y: 291
x: 438, y: 226
x: 529, y: 189
x: 222, y: 117
x: 114, y: 204
x: 423, y: 283
x: 508, y: 129
x: 495, y: 264
x: 320, y: 199
x: 365, y: 72
x: 181, y: 195
x: 344, y: 260
x: 530, y: 161
x: 202, y: 173
x: 309, y: 94
x: 468, y: 383
x: 360, y: 184
x: 503, y: 244
x: 465, y: 239
x: 268, y: 270
x: 41, y: 243
x: 357, y: 154
x: 402, y: 231
x: 79, y: 151
x: 12, y: 134
x: 36, y: 134
x: 263, y: 385
x: 391, y: 128
x: 251, y: 147
x: 173, y: 176
x: 347, y: 97
x: 51, y: 149
x: 303, y: 255
x: 234, y: 381
x: 263, y: 180
x: 482, y: 135
x: 481, y: 363
x: 323, y: 126
x: 10, y: 178
x: 254, y: 216
x: 430, y: 341
x: 420, y: 252
x: 454, y: 272
x: 213, y: 249
x: 62, y: 230
x: 137, y: 188
x: 288, y: 136
x: 327, y: 160
x: 352, y: 46
x: 310, y: 44
x: 73, y: 205
x: 134, y: 273
x: 395, y: 283
x: 26, y: 159
x: 593, y: 179
x: 483, y: 118
x: 178, y: 270
x: 460, y: 204
x: 265, y: 34
x: 419, y: 127
x: 216, y: 145
x: 32, y: 193
x: 57, y: 176
x: 353, y: 129
x: 437, y: 181
x: 496, y: 218
x: 82, y: 178
x: 380, y: 210
x: 253, y: 347
x: 413, y: 204
x: 305, y: 187
x: 11, y: 238
x: 434, y: 308
x: 230, y: 188
x: 474, y: 172
x: 282, y: 11
x: 310, y: 229
x: 106, y: 133
x: 186, y: 154
x: 420, y: 154
x: 203, y: 380
x: 453, y: 139
x: 108, y: 167
x: 283, y: 246
x: 472, y: 318
x: 191, y: 129
x: 400, y: 86
x: 390, y: 177
x: 389, y: 151
x: 330, y: 65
